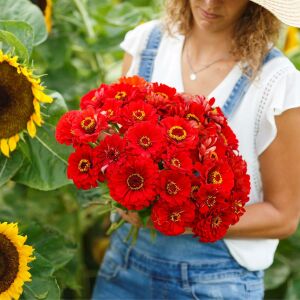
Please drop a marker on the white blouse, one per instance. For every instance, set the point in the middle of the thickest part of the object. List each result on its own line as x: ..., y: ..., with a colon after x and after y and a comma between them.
x: 276, y: 89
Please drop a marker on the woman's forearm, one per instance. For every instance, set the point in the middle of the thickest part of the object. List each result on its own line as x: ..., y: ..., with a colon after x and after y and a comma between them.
x: 262, y: 220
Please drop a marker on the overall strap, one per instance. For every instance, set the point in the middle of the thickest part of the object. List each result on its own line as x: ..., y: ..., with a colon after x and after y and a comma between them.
x: 149, y: 53
x: 242, y: 86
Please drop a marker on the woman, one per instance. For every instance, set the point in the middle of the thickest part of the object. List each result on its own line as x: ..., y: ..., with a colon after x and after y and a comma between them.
x: 209, y: 47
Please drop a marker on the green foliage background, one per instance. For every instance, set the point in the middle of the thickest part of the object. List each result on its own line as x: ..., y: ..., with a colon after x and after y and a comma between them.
x: 63, y: 224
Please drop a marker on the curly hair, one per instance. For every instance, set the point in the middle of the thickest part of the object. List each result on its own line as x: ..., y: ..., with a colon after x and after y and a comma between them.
x: 253, y: 33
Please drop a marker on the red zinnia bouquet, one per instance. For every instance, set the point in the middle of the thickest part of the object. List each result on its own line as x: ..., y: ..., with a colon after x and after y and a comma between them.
x: 171, y: 156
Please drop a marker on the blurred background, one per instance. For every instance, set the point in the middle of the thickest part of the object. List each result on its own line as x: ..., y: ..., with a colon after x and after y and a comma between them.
x: 66, y: 226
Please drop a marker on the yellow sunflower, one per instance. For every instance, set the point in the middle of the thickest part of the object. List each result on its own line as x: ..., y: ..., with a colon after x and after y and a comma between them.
x: 20, y: 97
x: 14, y: 259
x: 292, y: 39
x: 46, y: 8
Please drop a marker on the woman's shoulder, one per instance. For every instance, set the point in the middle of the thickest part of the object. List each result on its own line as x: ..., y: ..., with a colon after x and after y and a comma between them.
x: 135, y: 39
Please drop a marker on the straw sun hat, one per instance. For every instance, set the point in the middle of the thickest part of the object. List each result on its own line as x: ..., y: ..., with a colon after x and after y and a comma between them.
x: 287, y: 11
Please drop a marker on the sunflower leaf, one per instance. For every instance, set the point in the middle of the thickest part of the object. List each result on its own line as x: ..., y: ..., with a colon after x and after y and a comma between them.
x: 24, y: 10
x: 22, y: 30
x: 10, y: 166
x: 10, y: 43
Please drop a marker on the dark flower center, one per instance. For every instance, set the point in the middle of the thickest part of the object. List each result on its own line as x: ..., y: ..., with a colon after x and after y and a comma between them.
x: 84, y: 165
x: 210, y: 201
x: 120, y: 95
x: 138, y: 115
x: 135, y: 181
x: 162, y: 95
x: 176, y: 216
x: 9, y: 263
x: 88, y: 125
x: 112, y: 154
x: 172, y: 188
x: 216, y: 222
x: 16, y: 101
x: 238, y: 206
x: 192, y: 117
x: 195, y: 189
x: 175, y: 162
x: 215, y: 177
x: 177, y: 133
x: 145, y: 142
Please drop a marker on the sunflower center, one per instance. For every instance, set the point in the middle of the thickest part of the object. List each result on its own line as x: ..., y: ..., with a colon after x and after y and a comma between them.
x: 177, y: 133
x: 84, y: 165
x: 138, y: 115
x: 172, y: 188
x: 9, y: 263
x: 112, y: 154
x: 192, y: 117
x: 42, y: 4
x: 175, y: 162
x: 176, y: 216
x: 210, y: 201
x: 216, y: 222
x: 145, y: 142
x: 88, y: 124
x: 215, y: 177
x: 135, y: 181
x: 162, y: 95
x: 120, y: 95
x: 16, y: 101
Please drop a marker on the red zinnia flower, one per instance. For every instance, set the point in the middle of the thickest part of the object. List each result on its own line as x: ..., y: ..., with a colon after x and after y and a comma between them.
x: 229, y: 138
x: 138, y: 111
x: 178, y: 160
x: 111, y: 110
x: 175, y: 187
x: 63, y: 132
x: 146, y: 139
x: 195, y: 114
x: 213, y: 226
x: 133, y: 182
x: 170, y: 219
x: 110, y: 150
x: 94, y: 98
x: 135, y: 80
x: 237, y: 203
x: 84, y: 168
x: 87, y: 126
x: 180, y: 132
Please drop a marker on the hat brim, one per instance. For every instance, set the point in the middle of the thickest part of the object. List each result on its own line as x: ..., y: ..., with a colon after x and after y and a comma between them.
x: 287, y: 12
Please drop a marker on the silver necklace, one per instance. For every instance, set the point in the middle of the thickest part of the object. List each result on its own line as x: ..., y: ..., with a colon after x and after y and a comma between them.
x: 193, y: 73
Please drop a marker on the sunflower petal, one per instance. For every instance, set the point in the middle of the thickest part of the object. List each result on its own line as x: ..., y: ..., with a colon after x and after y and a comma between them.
x: 41, y: 96
x: 31, y: 128
x: 12, y: 143
x: 4, y: 147
x: 37, y: 119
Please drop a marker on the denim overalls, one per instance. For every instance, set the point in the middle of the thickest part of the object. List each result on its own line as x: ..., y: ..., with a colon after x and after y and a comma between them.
x: 176, y: 267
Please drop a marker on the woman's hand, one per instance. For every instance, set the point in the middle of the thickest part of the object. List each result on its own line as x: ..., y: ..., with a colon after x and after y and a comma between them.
x: 133, y: 218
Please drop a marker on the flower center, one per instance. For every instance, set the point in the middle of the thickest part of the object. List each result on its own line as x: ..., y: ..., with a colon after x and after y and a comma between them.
x: 120, y: 95
x: 194, y: 190
x: 145, y: 142
x: 84, y: 165
x: 88, y: 125
x: 237, y: 206
x: 192, y: 117
x: 215, y: 177
x: 213, y: 155
x: 16, y: 101
x: 9, y: 263
x: 172, y: 188
x: 177, y: 133
x: 175, y: 162
x: 210, y: 201
x: 162, y: 95
x: 176, y: 216
x: 139, y: 115
x: 112, y: 154
x: 135, y: 181
x: 216, y: 222
x: 110, y: 113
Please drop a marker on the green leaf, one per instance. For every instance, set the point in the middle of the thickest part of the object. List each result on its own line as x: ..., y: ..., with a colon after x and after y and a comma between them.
x: 293, y: 288
x: 10, y: 166
x: 10, y: 43
x: 277, y: 274
x: 26, y: 11
x: 22, y: 30
x: 47, y: 168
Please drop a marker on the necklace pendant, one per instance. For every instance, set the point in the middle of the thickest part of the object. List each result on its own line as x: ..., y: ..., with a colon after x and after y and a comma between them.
x: 193, y: 76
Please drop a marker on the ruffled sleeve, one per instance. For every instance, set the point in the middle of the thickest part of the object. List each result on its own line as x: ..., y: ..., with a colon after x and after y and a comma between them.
x: 135, y: 40
x: 285, y: 95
